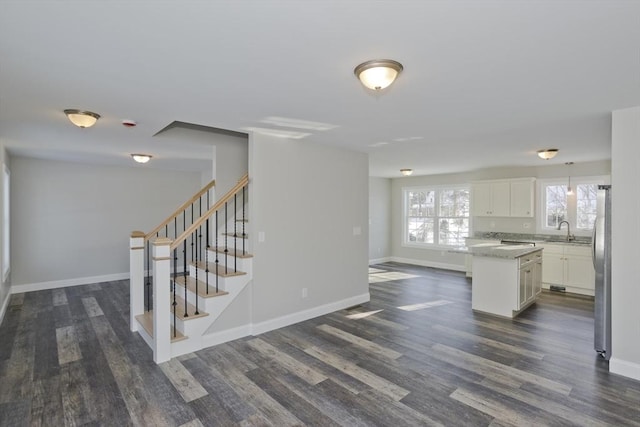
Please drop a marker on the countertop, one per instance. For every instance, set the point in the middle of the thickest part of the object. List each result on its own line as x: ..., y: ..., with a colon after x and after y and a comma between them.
x: 533, y: 238
x: 496, y: 250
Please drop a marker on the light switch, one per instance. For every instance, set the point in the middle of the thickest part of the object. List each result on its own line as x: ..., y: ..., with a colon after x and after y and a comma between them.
x: 261, y: 236
x: 357, y: 230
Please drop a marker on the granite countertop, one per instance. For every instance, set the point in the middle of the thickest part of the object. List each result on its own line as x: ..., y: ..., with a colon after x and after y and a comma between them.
x: 533, y: 238
x: 496, y: 250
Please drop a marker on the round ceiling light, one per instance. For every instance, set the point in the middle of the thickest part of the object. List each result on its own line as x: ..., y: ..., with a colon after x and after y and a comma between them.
x: 547, y: 153
x: 378, y: 73
x: 141, y: 158
x: 406, y: 172
x: 82, y: 119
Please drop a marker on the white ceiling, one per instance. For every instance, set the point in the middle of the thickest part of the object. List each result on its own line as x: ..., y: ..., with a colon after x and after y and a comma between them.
x: 486, y: 83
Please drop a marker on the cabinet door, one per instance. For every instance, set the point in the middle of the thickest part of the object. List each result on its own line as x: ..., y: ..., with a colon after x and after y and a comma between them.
x: 481, y: 199
x: 552, y: 268
x: 522, y: 288
x: 522, y: 200
x: 537, y: 278
x: 500, y: 198
x: 580, y: 273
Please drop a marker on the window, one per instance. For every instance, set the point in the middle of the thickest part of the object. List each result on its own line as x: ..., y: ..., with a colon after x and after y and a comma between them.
x: 578, y: 208
x: 436, y: 216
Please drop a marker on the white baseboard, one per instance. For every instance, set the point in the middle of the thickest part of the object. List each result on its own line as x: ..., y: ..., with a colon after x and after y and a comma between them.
x: 222, y: 337
x: 4, y: 305
x: 32, y: 287
x: 624, y: 368
x: 301, y: 316
x: 423, y: 263
x: 379, y: 260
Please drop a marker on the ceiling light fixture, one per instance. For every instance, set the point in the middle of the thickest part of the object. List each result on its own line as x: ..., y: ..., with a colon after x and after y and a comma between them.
x: 378, y: 73
x: 406, y: 172
x: 569, y: 189
x: 82, y: 119
x: 547, y: 153
x: 141, y: 158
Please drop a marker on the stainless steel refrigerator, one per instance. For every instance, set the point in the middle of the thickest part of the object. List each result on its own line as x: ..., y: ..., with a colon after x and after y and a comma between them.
x: 602, y: 264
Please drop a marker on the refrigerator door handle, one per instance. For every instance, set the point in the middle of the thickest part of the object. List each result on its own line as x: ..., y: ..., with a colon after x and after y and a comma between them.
x: 593, y: 244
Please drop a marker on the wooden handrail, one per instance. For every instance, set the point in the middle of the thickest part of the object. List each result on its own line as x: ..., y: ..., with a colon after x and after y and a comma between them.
x: 180, y: 209
x: 224, y: 199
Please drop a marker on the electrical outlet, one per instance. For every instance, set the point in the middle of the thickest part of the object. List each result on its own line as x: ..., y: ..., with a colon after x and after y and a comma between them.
x: 492, y: 224
x: 526, y: 225
x: 305, y: 293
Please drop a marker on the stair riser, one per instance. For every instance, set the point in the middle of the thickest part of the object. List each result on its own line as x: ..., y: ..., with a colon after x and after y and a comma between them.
x: 242, y: 264
x: 193, y: 327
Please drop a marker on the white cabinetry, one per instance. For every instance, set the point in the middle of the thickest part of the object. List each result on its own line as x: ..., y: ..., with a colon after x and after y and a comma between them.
x: 530, y: 274
x: 491, y: 198
x: 505, y: 286
x: 506, y: 197
x: 522, y: 197
x: 570, y: 266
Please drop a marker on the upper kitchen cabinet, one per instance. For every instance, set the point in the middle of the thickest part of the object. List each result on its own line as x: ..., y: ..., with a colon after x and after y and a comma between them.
x: 491, y: 198
x: 505, y: 197
x: 522, y: 197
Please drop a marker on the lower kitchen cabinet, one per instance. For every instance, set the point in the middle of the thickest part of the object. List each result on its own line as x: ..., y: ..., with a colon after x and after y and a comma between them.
x: 568, y: 266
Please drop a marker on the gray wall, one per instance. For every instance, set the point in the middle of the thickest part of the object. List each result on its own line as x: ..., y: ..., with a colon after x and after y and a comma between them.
x: 625, y: 235
x: 441, y: 258
x: 231, y: 162
x: 73, y: 220
x: 306, y: 199
x: 379, y: 218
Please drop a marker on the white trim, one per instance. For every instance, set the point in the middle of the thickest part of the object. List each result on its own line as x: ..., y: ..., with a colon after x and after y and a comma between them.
x: 301, y: 316
x: 227, y: 335
x: 624, y: 368
x: 32, y: 287
x: 5, y: 305
x: 423, y: 263
x: 379, y: 260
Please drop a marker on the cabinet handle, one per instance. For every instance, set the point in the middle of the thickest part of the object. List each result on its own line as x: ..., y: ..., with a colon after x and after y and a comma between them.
x: 528, y: 271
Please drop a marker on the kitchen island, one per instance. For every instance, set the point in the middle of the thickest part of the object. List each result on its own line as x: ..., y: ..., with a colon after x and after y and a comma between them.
x: 506, y: 278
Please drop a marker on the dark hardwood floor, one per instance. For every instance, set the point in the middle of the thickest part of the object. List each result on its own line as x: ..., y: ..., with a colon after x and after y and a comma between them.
x: 415, y: 355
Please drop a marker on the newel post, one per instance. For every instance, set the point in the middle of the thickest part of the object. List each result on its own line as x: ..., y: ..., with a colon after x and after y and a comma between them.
x: 136, y: 278
x: 161, y: 300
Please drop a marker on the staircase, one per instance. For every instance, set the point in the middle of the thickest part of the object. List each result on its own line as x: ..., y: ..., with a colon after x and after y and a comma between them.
x: 197, y: 271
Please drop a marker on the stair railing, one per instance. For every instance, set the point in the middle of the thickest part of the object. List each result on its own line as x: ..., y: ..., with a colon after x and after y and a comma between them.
x: 194, y: 233
x: 141, y: 277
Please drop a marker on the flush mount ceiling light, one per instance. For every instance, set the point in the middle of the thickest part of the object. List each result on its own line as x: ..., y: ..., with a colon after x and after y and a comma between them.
x: 547, y: 153
x: 378, y: 73
x: 141, y: 158
x: 406, y: 172
x: 82, y: 119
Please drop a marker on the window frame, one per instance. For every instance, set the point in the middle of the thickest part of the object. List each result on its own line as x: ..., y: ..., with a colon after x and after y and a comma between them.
x: 572, y: 210
x: 437, y: 189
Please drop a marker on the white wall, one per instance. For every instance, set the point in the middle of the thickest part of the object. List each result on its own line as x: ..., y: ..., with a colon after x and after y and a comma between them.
x: 5, y: 286
x: 73, y: 221
x: 625, y: 251
x: 379, y: 219
x: 307, y: 199
x: 232, y: 162
x: 444, y: 259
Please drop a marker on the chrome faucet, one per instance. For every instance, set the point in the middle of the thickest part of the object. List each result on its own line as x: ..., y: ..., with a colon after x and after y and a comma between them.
x: 570, y: 236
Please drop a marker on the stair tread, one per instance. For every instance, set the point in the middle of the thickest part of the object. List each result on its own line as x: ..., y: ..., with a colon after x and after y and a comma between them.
x: 146, y: 321
x: 191, y: 310
x: 232, y: 252
x: 202, y: 287
x: 218, y: 269
x: 238, y: 235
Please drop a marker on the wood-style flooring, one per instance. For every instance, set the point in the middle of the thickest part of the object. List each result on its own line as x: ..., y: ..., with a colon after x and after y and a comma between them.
x: 415, y: 355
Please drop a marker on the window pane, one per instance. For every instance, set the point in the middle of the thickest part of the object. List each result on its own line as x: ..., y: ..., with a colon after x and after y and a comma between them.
x: 453, y: 231
x: 586, y: 205
x: 556, y: 208
x: 454, y: 203
x: 416, y: 201
x: 420, y: 230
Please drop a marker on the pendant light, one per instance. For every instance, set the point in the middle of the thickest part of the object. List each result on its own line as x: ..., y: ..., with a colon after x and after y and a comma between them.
x: 569, y: 189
